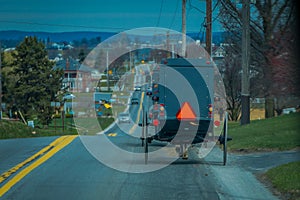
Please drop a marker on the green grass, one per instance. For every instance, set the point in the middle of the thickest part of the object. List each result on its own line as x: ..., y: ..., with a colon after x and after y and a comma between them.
x: 17, y: 129
x: 285, y: 179
x: 10, y: 129
x: 279, y: 133
x: 105, y: 122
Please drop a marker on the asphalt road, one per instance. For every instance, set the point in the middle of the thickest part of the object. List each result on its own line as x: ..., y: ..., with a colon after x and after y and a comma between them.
x: 73, y: 173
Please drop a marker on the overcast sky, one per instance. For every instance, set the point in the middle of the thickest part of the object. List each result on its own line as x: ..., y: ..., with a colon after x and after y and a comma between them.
x: 100, y: 15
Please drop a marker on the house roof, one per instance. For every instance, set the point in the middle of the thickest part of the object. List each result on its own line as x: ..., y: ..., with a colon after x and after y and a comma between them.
x: 71, y: 65
x: 102, y: 96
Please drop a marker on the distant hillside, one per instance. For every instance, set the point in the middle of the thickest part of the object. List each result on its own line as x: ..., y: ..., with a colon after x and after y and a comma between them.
x: 54, y: 37
x: 11, y: 37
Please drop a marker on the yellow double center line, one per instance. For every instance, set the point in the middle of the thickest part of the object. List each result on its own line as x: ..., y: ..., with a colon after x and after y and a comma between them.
x: 138, y: 115
x: 44, y: 155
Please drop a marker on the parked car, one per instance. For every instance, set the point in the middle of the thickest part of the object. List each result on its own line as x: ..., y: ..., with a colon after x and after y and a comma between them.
x: 124, y: 117
x: 134, y: 101
x: 149, y: 92
x: 69, y: 96
x: 288, y: 110
x: 137, y: 88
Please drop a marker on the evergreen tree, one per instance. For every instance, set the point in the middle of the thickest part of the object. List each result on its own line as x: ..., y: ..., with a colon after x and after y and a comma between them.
x: 8, y: 82
x: 38, y: 84
x: 81, y: 56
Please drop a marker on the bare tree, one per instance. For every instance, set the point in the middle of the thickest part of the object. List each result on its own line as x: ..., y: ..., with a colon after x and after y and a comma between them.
x: 271, y: 25
x: 232, y: 81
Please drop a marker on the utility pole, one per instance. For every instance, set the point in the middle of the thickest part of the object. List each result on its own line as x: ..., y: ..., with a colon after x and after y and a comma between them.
x: 107, y: 66
x: 208, y: 26
x: 168, y: 44
x: 245, y: 118
x: 184, y: 28
x: 130, y: 61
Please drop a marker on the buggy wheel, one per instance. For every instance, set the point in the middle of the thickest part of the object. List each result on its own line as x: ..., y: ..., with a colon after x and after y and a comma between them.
x: 143, y: 128
x: 142, y: 141
x: 145, y: 135
x: 225, y: 140
x: 146, y: 151
x: 225, y: 151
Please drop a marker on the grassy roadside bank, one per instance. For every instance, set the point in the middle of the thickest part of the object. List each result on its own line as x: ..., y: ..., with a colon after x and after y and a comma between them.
x: 17, y: 129
x: 285, y: 180
x: 279, y: 133
x: 276, y: 134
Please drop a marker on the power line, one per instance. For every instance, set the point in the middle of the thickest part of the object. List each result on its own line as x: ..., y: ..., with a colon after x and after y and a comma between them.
x: 61, y: 25
x: 161, y: 6
x: 201, y: 30
x: 215, y: 6
x: 174, y: 16
x: 215, y: 18
x: 194, y: 7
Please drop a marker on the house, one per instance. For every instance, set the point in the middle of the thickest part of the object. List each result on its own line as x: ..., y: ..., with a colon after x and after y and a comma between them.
x: 100, y: 96
x: 218, y: 52
x: 77, y: 77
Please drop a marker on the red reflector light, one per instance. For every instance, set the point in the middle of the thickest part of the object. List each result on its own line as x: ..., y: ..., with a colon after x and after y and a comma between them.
x: 150, y: 115
x: 155, y: 98
x: 186, y: 112
x: 217, y: 123
x: 155, y: 122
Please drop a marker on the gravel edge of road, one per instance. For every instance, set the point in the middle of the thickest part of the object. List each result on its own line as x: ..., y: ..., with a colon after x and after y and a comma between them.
x: 245, y: 185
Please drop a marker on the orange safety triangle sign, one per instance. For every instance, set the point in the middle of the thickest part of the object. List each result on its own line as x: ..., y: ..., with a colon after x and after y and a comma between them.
x: 186, y: 112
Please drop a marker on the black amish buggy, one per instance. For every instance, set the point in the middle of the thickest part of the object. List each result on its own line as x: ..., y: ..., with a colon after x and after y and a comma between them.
x: 182, y: 106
